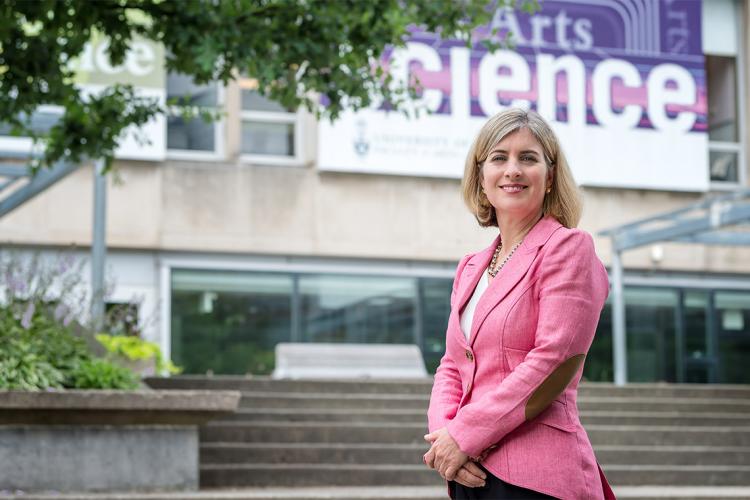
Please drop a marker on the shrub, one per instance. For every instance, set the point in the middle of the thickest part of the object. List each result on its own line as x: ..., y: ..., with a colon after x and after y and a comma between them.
x: 46, y: 354
x: 44, y: 339
x: 96, y: 373
x: 136, y: 349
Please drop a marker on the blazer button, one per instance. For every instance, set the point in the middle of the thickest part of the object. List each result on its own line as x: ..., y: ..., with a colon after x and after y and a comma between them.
x: 469, y: 355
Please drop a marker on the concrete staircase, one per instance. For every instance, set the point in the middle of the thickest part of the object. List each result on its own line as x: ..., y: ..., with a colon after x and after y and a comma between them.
x: 368, y: 433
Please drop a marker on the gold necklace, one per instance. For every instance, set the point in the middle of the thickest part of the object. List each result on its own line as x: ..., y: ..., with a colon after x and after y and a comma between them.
x: 493, y: 272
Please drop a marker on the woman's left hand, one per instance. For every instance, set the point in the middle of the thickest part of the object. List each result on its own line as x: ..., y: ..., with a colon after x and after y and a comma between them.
x: 444, y: 455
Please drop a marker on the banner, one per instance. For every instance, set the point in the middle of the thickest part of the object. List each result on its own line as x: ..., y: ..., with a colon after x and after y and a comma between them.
x: 144, y: 69
x: 622, y: 82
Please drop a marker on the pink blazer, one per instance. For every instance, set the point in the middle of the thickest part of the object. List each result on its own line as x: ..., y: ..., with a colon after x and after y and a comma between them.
x: 541, y: 310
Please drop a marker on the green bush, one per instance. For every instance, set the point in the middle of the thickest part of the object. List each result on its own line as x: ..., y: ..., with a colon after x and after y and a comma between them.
x: 136, y: 349
x: 44, y: 341
x: 96, y: 373
x: 43, y: 353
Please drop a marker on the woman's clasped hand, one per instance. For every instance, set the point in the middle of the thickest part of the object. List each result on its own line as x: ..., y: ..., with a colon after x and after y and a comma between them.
x: 453, y: 465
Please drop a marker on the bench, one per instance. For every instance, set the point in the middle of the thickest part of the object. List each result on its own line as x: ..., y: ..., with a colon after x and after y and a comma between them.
x: 347, y: 361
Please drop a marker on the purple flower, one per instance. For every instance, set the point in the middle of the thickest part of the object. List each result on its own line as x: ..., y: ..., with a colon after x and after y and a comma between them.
x: 60, y: 311
x: 27, y: 315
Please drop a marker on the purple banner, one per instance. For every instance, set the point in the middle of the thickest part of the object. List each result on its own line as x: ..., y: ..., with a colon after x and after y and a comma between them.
x: 613, y: 63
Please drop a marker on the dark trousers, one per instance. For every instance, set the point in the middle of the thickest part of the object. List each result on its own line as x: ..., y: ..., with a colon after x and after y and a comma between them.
x: 493, y: 489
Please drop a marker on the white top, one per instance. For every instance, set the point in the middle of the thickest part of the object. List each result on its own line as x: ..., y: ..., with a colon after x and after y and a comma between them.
x: 467, y: 316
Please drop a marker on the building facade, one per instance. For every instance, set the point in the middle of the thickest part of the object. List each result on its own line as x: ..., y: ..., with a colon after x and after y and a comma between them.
x: 268, y: 226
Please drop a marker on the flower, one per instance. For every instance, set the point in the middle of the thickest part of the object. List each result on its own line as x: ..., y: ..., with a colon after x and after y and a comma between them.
x: 28, y: 315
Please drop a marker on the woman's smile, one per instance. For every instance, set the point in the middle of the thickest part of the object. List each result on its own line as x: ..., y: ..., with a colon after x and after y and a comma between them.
x: 513, y: 188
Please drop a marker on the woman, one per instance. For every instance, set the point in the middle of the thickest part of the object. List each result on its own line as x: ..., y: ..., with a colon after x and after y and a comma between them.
x: 503, y: 419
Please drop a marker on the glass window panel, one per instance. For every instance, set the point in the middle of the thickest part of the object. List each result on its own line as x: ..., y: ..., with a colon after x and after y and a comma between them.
x: 252, y: 100
x: 697, y: 358
x: 263, y: 138
x: 435, y: 294
x: 720, y: 27
x: 190, y: 135
x: 41, y: 122
x: 721, y: 77
x: 723, y: 166
x: 733, y: 328
x: 357, y: 309
x: 182, y: 87
x: 194, y: 134
x: 227, y: 322
x: 598, y: 366
x: 651, y: 326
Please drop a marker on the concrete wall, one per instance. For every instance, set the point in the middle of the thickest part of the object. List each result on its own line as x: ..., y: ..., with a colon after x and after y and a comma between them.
x: 236, y: 208
x: 104, y: 458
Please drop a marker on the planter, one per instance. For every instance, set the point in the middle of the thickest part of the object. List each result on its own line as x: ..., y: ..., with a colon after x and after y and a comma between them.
x: 75, y: 441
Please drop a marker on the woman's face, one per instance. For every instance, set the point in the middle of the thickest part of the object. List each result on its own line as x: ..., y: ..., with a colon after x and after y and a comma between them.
x: 515, y: 176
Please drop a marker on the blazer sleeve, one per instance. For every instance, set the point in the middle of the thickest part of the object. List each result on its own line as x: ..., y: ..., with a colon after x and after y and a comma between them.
x: 572, y: 289
x: 446, y: 388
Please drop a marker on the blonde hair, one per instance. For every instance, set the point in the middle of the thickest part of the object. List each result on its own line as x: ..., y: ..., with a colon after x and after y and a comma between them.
x: 563, y: 202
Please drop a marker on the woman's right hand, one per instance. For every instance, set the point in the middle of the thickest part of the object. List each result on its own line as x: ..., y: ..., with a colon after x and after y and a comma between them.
x: 469, y: 475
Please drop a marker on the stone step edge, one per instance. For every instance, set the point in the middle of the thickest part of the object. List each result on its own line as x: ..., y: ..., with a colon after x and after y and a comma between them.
x: 419, y: 446
x: 373, y: 493
x: 426, y: 397
x: 583, y: 413
x: 421, y: 467
x: 429, y: 380
x: 401, y: 425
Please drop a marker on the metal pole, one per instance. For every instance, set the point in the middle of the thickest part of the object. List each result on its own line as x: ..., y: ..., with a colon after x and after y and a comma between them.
x: 619, y: 346
x: 98, y: 245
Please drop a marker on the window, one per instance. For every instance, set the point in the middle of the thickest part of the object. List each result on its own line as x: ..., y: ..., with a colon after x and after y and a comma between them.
x: 434, y: 308
x: 41, y: 121
x: 193, y: 138
x: 357, y: 309
x: 732, y: 310
x: 723, y: 119
x: 723, y: 79
x: 230, y: 321
x: 270, y: 133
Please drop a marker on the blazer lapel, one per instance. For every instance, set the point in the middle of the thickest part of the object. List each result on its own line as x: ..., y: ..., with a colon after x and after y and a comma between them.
x: 512, y: 272
x: 472, y: 272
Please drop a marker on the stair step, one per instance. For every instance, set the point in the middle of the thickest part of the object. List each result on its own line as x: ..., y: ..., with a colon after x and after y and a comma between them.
x: 686, y: 475
x: 640, y: 404
x: 357, y: 453
x: 668, y: 435
x: 419, y: 402
x: 664, y: 391
x: 265, y: 384
x: 423, y: 387
x: 357, y: 432
x: 316, y: 474
x: 324, y: 400
x: 673, y: 455
x: 317, y: 432
x: 674, y: 418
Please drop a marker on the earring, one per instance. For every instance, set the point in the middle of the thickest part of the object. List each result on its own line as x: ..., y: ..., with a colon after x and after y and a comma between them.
x: 548, y: 190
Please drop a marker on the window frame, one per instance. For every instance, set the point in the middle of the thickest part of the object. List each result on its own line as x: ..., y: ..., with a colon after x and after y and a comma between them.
x: 299, y: 159
x: 739, y: 147
x: 220, y: 126
x: 24, y: 144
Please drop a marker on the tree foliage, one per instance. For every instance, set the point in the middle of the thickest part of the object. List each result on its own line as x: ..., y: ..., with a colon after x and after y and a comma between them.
x: 298, y: 50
